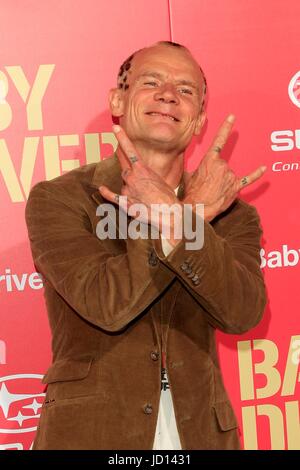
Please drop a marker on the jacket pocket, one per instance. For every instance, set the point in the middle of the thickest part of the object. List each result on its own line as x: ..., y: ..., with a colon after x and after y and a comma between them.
x: 225, y: 416
x: 68, y: 369
x: 73, y: 379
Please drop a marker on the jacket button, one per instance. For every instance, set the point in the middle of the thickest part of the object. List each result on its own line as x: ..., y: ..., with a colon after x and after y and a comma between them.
x: 188, y: 270
x: 148, y: 409
x: 191, y: 275
x: 153, y: 259
x: 154, y: 355
x: 184, y: 266
x: 196, y: 282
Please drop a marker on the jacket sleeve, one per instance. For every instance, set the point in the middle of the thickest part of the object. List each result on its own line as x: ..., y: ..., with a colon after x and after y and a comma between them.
x: 107, y: 290
x: 224, y: 276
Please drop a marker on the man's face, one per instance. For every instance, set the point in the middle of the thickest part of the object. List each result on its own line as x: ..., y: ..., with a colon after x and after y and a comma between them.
x: 162, y: 105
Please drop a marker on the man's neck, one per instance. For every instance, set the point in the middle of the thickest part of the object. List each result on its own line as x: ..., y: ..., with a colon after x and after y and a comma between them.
x: 168, y: 166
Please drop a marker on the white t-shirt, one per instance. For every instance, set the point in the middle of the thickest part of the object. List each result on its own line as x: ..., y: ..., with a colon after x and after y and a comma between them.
x: 166, y: 434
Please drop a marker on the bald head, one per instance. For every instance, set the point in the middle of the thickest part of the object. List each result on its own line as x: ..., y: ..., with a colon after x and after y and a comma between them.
x: 126, y: 68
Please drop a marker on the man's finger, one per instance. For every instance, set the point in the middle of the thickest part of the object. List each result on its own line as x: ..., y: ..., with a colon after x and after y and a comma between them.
x: 127, y: 147
x: 221, y: 137
x: 108, y: 194
x: 113, y: 197
x: 123, y: 160
x: 254, y: 176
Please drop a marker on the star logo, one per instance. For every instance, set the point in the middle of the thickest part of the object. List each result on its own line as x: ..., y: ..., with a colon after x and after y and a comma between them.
x: 21, y: 398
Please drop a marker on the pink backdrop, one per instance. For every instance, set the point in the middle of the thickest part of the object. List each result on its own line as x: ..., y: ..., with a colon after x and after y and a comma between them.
x: 56, y: 66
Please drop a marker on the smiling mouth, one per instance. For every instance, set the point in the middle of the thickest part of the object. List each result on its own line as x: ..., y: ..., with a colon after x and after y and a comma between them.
x: 172, y: 118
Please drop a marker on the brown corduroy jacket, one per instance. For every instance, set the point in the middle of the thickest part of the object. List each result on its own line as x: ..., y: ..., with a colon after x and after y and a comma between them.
x: 115, y: 304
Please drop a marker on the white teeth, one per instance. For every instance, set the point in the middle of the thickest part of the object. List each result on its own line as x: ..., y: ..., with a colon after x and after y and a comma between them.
x: 159, y: 114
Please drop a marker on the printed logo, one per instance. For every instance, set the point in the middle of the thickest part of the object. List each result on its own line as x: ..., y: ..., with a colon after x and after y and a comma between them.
x: 288, y: 140
x: 159, y: 216
x: 284, y: 257
x: 11, y: 282
x: 294, y: 89
x: 20, y: 401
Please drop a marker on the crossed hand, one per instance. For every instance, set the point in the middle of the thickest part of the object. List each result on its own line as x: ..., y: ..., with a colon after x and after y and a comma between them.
x: 141, y: 185
x: 213, y: 183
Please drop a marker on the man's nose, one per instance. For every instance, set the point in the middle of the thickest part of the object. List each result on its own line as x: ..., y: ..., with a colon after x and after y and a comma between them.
x: 166, y: 94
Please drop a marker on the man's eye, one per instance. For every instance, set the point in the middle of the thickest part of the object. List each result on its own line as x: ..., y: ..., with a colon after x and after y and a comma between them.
x: 186, y: 91
x: 150, y: 83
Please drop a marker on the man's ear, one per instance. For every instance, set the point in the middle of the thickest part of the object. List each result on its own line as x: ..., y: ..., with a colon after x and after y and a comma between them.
x: 200, y: 123
x: 116, y: 102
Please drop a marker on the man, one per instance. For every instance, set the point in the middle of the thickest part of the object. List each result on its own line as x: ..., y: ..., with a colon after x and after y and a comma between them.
x: 121, y: 309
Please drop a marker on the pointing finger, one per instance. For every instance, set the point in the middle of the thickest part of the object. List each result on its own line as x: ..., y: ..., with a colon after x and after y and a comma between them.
x: 221, y: 137
x: 129, y: 151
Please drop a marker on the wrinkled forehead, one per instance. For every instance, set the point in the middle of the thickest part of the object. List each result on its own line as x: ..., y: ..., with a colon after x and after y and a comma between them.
x: 167, y: 60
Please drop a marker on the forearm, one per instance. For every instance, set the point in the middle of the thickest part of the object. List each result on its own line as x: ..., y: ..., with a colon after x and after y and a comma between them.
x: 224, y: 276
x: 107, y: 289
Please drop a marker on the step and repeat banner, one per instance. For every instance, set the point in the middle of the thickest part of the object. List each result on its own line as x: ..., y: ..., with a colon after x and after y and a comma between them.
x: 58, y: 61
